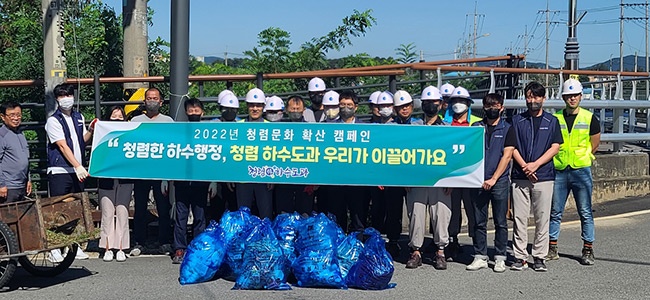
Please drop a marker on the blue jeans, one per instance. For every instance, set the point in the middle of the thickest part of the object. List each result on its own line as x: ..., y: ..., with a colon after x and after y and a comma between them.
x: 498, y: 196
x: 580, y: 182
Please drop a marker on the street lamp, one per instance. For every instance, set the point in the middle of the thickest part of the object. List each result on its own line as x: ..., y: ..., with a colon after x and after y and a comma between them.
x: 476, y: 38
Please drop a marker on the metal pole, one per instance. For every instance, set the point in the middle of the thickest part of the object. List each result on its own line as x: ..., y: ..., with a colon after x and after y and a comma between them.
x: 571, y: 48
x: 647, y: 61
x: 53, y: 51
x: 547, y: 41
x: 392, y: 83
x: 260, y: 80
x: 180, y: 57
x: 620, y: 49
x: 98, y: 97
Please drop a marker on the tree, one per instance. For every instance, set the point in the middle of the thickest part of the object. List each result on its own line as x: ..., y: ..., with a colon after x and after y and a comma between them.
x: 406, y: 53
x: 273, y: 53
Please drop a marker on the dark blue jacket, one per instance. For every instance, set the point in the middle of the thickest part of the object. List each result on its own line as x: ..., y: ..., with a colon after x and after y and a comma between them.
x: 494, y: 149
x: 54, y: 156
x: 532, y: 145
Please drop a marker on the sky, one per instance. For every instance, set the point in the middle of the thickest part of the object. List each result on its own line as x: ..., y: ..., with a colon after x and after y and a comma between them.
x: 435, y: 27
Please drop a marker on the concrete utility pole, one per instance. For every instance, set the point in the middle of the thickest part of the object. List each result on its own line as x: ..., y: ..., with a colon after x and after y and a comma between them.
x: 180, y: 57
x: 548, y: 23
x: 135, y: 47
x: 53, y: 51
x: 620, y: 49
x: 571, y: 47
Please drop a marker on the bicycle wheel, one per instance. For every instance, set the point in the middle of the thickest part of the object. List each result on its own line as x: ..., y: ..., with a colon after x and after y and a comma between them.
x: 41, y: 264
x: 8, y: 246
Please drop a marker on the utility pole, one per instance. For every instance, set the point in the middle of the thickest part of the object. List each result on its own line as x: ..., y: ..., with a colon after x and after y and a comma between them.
x: 548, y: 23
x: 525, y: 37
x: 135, y: 49
x: 571, y: 47
x: 225, y: 57
x: 647, y: 61
x: 475, y: 29
x: 620, y: 49
x: 53, y: 51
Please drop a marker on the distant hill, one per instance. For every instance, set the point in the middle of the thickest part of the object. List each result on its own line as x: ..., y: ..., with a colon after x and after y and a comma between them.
x: 628, y: 64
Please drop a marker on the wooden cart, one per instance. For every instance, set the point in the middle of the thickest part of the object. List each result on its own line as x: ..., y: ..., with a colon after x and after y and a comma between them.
x: 23, y: 233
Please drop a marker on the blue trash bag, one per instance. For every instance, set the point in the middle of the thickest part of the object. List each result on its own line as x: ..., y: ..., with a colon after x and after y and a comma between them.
x: 263, y: 261
x: 204, y: 256
x: 284, y: 227
x: 232, y: 223
x: 348, y: 252
x: 235, y: 250
x: 316, y: 233
x: 318, y: 269
x: 374, y: 269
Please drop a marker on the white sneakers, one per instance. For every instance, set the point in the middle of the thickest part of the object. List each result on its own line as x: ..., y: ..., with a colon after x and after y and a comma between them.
x: 120, y: 256
x: 81, y: 254
x: 55, y: 256
x: 108, y: 255
x: 477, y: 264
x: 500, y: 266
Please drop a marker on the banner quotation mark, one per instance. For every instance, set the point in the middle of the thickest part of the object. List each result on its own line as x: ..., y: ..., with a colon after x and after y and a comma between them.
x: 459, y: 149
x: 113, y: 143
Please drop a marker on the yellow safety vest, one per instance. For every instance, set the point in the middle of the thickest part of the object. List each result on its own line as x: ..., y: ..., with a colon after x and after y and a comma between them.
x: 576, y: 149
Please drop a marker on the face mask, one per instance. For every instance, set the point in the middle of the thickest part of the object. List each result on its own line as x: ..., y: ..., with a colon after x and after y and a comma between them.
x: 117, y: 119
x: 346, y: 112
x: 534, y: 106
x: 386, y: 112
x: 274, y: 117
x: 66, y: 103
x: 316, y: 99
x: 194, y: 118
x: 295, y: 116
x: 152, y: 106
x: 228, y: 114
x: 332, y: 113
x: 459, y: 108
x: 492, y: 113
x: 429, y: 108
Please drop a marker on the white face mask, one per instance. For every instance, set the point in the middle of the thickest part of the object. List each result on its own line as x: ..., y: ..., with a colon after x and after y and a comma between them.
x: 274, y: 117
x: 332, y: 113
x: 459, y: 108
x: 66, y: 103
x: 386, y: 112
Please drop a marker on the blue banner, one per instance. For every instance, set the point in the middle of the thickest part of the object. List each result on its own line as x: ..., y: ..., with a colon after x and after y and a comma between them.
x: 294, y: 153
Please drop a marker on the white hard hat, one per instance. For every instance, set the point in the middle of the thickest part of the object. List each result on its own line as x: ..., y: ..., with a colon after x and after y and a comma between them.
x: 373, y: 97
x: 571, y: 87
x: 274, y: 103
x: 255, y: 96
x: 461, y: 92
x: 431, y: 93
x: 229, y: 100
x: 402, y: 97
x: 446, y: 89
x: 316, y: 85
x: 385, y: 98
x: 224, y: 93
x: 331, y: 98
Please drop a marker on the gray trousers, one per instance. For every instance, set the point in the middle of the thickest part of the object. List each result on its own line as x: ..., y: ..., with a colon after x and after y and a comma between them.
x: 439, y: 206
x: 538, y: 196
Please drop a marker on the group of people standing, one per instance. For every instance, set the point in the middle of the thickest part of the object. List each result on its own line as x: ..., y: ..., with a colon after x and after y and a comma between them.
x: 535, y: 159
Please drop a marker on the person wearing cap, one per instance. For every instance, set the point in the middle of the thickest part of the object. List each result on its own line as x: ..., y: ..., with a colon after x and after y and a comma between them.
x: 295, y: 197
x: 260, y: 193
x: 538, y: 139
x: 403, y: 106
x: 435, y: 200
x: 316, y: 113
x: 228, y: 105
x: 581, y: 131
x: 331, y: 109
x: 460, y: 114
x: 499, y: 145
x: 445, y: 90
x: 374, y: 109
x: 273, y: 109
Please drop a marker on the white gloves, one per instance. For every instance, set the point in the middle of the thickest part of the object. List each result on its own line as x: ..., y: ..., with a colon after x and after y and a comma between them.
x: 164, y: 187
x: 81, y: 172
x: 212, y: 190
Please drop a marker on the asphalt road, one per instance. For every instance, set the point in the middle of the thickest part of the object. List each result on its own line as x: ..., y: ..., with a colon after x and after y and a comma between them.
x: 621, y: 271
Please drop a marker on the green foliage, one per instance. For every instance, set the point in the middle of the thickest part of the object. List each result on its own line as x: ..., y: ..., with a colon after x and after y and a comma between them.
x: 406, y: 53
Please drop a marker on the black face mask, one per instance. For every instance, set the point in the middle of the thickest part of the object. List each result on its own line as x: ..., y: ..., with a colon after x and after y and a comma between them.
x: 492, y: 113
x: 228, y: 114
x: 316, y: 99
x: 429, y: 108
x: 194, y: 118
x: 534, y: 106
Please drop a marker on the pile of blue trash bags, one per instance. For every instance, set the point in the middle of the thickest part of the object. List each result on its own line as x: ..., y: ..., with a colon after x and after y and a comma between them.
x: 304, y: 251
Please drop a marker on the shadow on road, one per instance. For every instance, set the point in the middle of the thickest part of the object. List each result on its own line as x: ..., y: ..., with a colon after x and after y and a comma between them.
x: 615, y: 260
x: 22, y: 280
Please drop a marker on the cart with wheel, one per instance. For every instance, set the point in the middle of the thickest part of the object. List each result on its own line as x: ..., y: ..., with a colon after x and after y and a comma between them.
x: 30, y: 229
